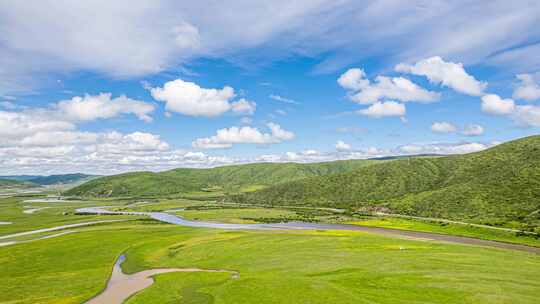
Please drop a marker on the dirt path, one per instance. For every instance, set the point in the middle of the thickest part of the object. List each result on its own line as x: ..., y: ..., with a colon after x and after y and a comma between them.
x: 3, y: 244
x: 431, y: 219
x: 121, y: 286
x: 415, y: 234
x: 31, y: 211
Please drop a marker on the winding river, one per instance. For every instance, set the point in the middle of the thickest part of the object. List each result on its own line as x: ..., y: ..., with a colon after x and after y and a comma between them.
x: 121, y: 286
x: 176, y: 220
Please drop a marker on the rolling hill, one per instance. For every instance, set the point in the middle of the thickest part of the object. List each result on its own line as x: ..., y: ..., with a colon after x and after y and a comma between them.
x: 50, y: 179
x: 61, y: 179
x: 14, y: 184
x: 227, y: 178
x: 498, y: 185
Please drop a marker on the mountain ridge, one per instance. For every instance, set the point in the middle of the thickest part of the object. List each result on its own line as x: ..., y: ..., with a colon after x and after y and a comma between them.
x: 498, y: 184
x: 228, y: 178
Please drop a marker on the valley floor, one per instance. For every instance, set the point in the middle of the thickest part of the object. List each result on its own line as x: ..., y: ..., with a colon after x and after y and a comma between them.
x: 277, y: 266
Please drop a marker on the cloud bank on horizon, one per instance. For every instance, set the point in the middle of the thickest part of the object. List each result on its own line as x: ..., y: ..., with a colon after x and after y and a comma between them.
x: 235, y: 83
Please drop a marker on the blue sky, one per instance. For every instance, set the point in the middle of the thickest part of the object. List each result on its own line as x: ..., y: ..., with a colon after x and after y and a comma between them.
x: 154, y: 85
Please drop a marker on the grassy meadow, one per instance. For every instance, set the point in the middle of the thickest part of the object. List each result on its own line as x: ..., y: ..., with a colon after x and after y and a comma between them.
x: 311, y: 266
x: 274, y: 267
x: 449, y: 228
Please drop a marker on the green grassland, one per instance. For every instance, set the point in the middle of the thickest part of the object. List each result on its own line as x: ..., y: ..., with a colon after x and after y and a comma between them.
x: 449, y: 228
x: 238, y: 215
x: 57, y: 214
x: 274, y: 267
x: 248, y: 177
x: 14, y: 184
x: 160, y: 205
x: 499, y: 186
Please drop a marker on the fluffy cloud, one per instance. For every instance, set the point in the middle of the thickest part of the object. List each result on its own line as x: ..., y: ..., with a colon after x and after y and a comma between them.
x: 442, y: 148
x: 448, y: 74
x: 99, y: 106
x: 473, y: 130
x: 17, y: 125
x: 528, y: 89
x: 443, y: 127
x: 353, y: 79
x: 468, y: 130
x: 244, y: 107
x: 58, y: 138
x: 58, y: 123
x: 190, y: 99
x: 342, y: 146
x: 310, y: 155
x: 226, y: 138
x: 37, y: 142
x: 527, y: 116
x: 397, y: 88
x: 522, y: 115
x: 110, y: 153
x: 384, y: 109
x: 493, y: 104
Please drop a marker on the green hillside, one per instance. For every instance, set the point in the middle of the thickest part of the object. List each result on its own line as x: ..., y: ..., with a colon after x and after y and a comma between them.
x: 61, y: 179
x: 495, y: 186
x: 51, y: 179
x: 8, y: 183
x: 227, y: 178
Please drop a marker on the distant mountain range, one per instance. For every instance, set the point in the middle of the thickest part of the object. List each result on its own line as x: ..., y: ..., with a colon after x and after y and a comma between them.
x: 9, y: 183
x: 50, y: 179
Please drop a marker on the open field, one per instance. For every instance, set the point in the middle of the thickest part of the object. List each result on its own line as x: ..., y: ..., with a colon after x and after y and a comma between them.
x: 237, y: 215
x: 232, y: 213
x: 274, y: 267
x: 449, y: 228
x: 284, y: 266
x: 57, y: 214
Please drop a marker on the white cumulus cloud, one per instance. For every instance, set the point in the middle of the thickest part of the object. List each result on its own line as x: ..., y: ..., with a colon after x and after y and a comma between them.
x: 522, y: 115
x: 443, y: 127
x: 493, y: 104
x: 384, y: 109
x: 244, y: 107
x: 397, y: 88
x: 188, y: 98
x: 342, y: 146
x: 528, y: 88
x: 92, y: 107
x: 353, y: 79
x: 442, y: 148
x: 17, y: 125
x: 527, y: 116
x: 227, y: 137
x: 473, y: 130
x: 448, y: 74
